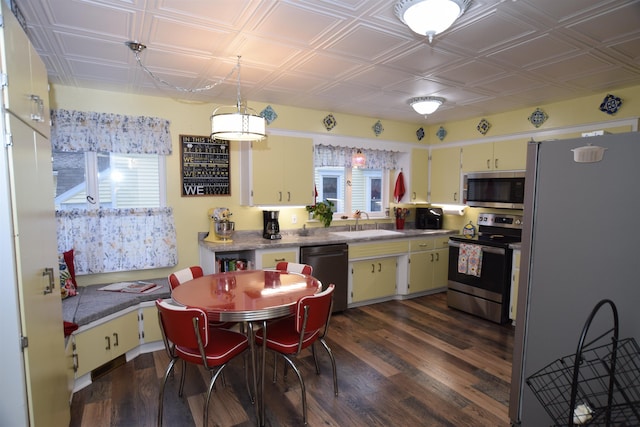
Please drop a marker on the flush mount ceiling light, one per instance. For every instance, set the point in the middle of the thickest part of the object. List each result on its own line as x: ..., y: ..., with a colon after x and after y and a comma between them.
x: 238, y: 123
x: 430, y: 17
x: 426, y: 104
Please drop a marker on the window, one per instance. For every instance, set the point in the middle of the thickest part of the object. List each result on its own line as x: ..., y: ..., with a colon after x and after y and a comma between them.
x: 352, y: 189
x: 107, y: 180
x: 109, y: 176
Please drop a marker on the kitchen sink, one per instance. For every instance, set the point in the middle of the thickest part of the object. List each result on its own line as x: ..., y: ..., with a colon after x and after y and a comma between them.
x: 365, y: 233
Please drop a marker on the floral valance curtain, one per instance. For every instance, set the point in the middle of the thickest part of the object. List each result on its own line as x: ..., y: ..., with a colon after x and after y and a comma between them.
x: 110, y: 133
x: 329, y: 155
x: 108, y: 240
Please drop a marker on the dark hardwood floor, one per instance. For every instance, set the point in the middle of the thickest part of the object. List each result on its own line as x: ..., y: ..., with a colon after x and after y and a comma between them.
x: 400, y: 363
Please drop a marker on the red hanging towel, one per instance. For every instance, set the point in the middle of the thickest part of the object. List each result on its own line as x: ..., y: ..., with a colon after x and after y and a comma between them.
x: 398, y: 193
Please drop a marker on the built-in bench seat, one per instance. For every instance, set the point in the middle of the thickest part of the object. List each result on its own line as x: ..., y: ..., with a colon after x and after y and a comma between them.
x: 91, y: 304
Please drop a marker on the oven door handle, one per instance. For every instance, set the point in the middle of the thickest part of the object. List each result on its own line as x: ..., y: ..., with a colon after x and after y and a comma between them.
x: 488, y: 249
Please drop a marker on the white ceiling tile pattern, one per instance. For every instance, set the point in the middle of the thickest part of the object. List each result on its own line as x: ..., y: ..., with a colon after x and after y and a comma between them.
x: 350, y: 56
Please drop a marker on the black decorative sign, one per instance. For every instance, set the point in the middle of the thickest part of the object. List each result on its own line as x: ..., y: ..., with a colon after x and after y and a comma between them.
x: 205, y: 166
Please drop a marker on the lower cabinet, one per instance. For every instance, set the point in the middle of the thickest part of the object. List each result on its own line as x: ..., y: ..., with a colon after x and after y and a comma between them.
x: 150, y: 325
x: 428, y: 263
x: 106, y: 341
x: 374, y: 269
x: 268, y: 258
x: 373, y: 278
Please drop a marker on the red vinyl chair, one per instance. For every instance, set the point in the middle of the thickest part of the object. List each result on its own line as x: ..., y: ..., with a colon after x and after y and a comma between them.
x: 181, y: 276
x: 294, y: 267
x: 188, y: 338
x: 289, y: 336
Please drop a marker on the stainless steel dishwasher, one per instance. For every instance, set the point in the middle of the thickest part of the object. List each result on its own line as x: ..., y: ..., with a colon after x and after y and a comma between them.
x: 330, y: 265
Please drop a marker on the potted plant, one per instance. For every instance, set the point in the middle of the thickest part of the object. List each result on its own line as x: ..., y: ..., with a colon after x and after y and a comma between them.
x: 322, y: 211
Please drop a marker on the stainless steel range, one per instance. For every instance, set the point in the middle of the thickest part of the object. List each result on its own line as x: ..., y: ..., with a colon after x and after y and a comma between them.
x: 480, y: 267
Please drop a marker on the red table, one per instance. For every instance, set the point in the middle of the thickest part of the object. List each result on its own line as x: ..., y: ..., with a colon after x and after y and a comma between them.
x: 247, y: 296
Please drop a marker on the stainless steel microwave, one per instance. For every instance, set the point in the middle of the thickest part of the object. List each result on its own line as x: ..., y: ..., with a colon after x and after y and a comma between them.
x: 494, y: 189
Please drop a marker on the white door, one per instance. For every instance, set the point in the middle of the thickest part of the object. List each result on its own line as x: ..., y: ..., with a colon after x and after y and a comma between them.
x: 40, y: 306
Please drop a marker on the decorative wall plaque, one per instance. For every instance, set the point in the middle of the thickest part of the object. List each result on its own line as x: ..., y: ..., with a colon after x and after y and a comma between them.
x: 269, y: 114
x: 611, y: 104
x: 483, y: 126
x: 441, y: 133
x: 205, y: 166
x: 538, y: 117
x: 329, y: 122
x: 377, y: 128
x: 420, y: 134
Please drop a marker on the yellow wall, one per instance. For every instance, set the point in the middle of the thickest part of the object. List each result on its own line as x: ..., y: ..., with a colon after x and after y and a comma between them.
x: 574, y: 112
x: 193, y: 119
x: 188, y: 118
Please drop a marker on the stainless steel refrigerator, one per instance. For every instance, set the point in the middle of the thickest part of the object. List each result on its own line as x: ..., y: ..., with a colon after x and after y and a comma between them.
x: 581, y: 244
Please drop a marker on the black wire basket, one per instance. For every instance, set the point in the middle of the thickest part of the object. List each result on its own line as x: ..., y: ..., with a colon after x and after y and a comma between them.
x: 599, y: 385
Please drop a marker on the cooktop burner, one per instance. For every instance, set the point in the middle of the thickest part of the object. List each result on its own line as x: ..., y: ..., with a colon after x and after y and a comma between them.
x: 495, y: 230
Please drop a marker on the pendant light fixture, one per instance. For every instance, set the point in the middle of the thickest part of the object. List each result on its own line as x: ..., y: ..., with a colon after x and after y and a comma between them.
x: 426, y: 104
x: 358, y: 160
x: 430, y: 17
x: 238, y: 123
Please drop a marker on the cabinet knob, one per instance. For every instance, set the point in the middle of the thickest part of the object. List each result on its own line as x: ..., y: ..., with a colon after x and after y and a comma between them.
x: 115, y: 341
x: 108, y: 347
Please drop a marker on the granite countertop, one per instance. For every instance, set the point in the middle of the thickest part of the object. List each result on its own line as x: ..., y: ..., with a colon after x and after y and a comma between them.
x: 252, y: 240
x: 92, y: 304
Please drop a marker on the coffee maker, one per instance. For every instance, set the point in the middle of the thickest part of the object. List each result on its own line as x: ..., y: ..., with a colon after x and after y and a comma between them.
x: 271, y: 226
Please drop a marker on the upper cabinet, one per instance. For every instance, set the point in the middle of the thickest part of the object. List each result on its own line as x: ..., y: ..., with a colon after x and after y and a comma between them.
x: 491, y: 156
x: 27, y: 94
x: 277, y: 171
x: 445, y: 175
x: 418, y: 192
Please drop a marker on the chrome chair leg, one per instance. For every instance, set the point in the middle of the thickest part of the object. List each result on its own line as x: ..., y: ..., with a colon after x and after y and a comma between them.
x: 302, y: 387
x: 333, y: 365
x: 164, y: 383
x: 211, y: 385
x: 182, y: 377
x: 315, y: 358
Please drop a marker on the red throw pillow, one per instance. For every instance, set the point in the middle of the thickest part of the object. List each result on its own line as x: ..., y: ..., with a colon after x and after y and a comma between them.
x: 68, y: 259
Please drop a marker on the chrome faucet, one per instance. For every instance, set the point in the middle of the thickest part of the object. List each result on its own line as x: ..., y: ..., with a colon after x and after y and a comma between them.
x: 357, y: 215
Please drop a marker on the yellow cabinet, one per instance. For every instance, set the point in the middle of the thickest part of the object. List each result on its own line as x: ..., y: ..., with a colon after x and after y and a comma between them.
x: 28, y: 86
x: 268, y: 258
x: 445, y: 175
x: 419, y: 187
x: 104, y: 342
x: 503, y: 155
x: 373, y: 278
x: 374, y: 267
x: 277, y: 171
x: 428, y: 262
x: 150, y: 325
